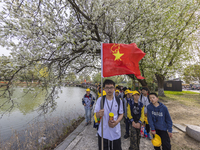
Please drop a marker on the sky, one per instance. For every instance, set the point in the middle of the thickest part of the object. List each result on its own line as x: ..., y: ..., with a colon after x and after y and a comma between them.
x: 4, y: 51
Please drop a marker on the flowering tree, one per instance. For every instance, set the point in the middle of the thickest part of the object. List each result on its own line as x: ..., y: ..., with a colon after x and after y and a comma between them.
x: 191, y: 73
x: 65, y: 36
x: 169, y: 39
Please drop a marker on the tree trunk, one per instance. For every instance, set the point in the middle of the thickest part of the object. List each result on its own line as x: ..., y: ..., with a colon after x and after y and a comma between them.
x: 142, y: 82
x: 160, y: 80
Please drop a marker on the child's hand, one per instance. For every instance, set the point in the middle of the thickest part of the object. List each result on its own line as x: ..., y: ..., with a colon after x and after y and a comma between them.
x: 137, y: 125
x: 84, y: 104
x: 170, y: 134
x: 133, y: 124
x: 112, y: 123
x: 153, y: 132
x: 101, y: 113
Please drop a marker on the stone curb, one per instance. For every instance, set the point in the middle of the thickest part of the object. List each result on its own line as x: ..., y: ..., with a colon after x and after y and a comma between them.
x: 71, y: 137
x: 180, y: 127
x: 193, y: 131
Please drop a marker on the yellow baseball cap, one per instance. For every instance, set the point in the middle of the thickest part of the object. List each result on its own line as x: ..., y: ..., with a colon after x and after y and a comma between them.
x: 156, y: 141
x: 104, y: 93
x: 87, y: 90
x: 117, y: 91
x: 135, y: 92
x: 128, y: 91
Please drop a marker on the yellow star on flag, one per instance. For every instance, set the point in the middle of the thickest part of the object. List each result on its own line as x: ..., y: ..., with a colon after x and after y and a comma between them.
x: 118, y: 55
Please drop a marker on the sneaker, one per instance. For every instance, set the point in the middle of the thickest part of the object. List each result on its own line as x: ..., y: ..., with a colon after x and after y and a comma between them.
x: 126, y: 136
x: 149, y: 136
x: 86, y: 123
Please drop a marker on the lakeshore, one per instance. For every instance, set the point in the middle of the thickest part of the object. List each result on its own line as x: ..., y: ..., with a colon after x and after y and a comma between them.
x: 27, y: 127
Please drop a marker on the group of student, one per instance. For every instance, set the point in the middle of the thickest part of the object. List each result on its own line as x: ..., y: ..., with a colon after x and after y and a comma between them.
x: 137, y: 108
x: 135, y: 104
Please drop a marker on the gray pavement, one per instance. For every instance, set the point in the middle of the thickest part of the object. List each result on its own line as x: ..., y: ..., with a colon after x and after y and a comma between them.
x: 84, y: 138
x: 198, y: 91
x: 87, y: 140
x: 72, y: 138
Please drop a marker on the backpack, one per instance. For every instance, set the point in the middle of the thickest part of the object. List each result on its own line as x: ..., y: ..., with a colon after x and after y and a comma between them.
x: 140, y: 105
x: 147, y: 98
x: 117, y: 99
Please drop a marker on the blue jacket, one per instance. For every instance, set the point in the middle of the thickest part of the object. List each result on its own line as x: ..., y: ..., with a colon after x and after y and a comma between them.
x: 88, y: 101
x: 159, y: 117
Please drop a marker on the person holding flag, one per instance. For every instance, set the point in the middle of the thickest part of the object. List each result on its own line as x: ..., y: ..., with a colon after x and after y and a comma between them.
x: 111, y: 127
x: 116, y: 59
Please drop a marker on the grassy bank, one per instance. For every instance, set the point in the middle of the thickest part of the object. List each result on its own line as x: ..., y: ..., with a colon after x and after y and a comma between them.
x: 66, y: 132
x: 45, y: 135
x: 188, y: 98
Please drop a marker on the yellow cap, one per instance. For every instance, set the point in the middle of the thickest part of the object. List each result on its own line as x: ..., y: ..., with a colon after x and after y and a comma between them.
x: 117, y: 91
x: 111, y: 114
x: 104, y: 93
x: 128, y: 91
x: 135, y: 92
x: 87, y: 90
x: 156, y: 141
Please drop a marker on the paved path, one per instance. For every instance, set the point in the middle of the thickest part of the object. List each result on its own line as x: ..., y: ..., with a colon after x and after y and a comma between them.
x: 198, y: 91
x: 86, y: 140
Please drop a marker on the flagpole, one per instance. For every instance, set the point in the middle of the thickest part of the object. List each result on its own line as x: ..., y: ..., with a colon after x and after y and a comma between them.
x: 102, y: 95
x: 102, y: 116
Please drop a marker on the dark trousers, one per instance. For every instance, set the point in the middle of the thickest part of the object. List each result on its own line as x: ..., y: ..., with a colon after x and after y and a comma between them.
x: 165, y: 140
x: 135, y: 139
x: 110, y: 145
x: 97, y: 127
x: 147, y: 128
x: 127, y: 125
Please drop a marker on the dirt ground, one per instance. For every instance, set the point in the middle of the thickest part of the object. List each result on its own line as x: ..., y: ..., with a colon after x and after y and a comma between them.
x: 182, y: 114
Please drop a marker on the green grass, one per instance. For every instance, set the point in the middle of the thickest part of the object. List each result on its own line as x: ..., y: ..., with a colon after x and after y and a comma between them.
x: 188, y: 98
x: 180, y: 93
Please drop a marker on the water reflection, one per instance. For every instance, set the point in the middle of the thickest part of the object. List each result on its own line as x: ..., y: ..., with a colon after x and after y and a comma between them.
x: 68, y: 106
x: 25, y: 103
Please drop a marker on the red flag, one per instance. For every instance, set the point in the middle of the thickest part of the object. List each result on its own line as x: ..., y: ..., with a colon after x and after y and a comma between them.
x: 119, y: 59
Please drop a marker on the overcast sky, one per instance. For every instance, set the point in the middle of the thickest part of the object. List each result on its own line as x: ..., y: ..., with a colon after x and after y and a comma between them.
x: 4, y: 51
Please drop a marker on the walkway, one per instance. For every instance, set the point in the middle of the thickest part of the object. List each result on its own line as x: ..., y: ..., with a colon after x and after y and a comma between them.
x: 86, y: 140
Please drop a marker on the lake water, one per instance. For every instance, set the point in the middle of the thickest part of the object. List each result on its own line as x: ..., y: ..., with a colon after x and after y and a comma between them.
x: 25, y: 113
